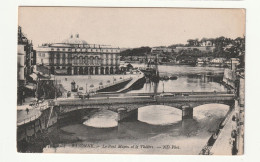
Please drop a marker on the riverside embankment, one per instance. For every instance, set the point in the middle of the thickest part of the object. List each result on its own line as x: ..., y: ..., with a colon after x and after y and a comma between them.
x: 33, y: 121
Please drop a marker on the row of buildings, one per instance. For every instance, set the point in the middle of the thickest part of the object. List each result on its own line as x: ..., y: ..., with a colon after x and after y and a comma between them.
x: 74, y: 56
x: 26, y: 61
x: 219, y: 62
x: 204, y: 46
x: 26, y: 57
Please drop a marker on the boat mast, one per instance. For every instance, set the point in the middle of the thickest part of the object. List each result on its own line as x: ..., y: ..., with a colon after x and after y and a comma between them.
x: 156, y: 66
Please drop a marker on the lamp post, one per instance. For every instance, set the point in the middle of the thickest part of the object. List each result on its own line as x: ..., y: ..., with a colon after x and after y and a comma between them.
x: 55, y: 87
x: 163, y: 86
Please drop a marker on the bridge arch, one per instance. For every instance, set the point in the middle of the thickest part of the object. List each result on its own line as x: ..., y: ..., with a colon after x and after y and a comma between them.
x: 212, y: 104
x: 159, y: 115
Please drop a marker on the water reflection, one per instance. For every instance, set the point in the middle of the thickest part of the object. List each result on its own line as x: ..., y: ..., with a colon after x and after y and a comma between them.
x: 195, y: 132
x: 183, y: 84
x: 102, y: 119
x: 159, y: 115
x: 197, y: 79
x: 156, y: 124
x: 185, y: 69
x: 210, y: 111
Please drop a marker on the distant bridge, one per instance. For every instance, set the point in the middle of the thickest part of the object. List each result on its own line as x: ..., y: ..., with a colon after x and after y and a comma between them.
x: 128, y: 104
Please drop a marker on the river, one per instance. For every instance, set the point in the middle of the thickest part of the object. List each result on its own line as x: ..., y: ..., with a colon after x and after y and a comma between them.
x: 159, y: 129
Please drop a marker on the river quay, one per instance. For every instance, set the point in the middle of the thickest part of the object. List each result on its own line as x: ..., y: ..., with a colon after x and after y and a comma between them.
x: 85, y: 124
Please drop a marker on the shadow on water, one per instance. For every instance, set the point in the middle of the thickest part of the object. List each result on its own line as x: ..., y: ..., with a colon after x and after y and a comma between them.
x: 128, y: 130
x: 155, y: 123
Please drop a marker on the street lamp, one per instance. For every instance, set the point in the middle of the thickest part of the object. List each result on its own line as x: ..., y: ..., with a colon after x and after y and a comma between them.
x: 163, y: 86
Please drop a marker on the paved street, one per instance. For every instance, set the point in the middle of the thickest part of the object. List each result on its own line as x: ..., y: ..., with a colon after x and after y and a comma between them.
x: 90, y: 81
x: 34, y: 112
x: 22, y: 115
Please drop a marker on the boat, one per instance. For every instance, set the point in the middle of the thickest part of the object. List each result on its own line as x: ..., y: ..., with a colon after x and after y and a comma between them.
x: 165, y: 77
x: 173, y: 77
x: 148, y: 71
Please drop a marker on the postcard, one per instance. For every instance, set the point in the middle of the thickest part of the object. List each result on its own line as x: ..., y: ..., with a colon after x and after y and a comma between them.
x: 130, y: 80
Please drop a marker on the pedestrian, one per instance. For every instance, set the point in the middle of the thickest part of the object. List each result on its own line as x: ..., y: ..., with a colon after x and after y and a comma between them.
x: 27, y: 110
x: 23, y: 98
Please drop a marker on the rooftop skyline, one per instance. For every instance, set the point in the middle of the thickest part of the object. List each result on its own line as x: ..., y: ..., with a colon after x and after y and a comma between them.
x: 129, y: 27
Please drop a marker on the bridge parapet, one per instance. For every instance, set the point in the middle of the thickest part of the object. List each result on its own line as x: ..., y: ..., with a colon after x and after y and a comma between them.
x: 132, y: 103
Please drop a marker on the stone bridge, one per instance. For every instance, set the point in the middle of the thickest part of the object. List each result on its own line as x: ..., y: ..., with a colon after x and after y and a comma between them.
x: 126, y: 106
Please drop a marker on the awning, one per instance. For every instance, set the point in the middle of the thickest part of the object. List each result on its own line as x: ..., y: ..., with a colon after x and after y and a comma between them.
x: 31, y: 87
x: 60, y: 71
x: 34, y: 76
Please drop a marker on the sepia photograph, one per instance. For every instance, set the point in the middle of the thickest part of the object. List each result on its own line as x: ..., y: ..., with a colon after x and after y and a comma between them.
x: 122, y: 80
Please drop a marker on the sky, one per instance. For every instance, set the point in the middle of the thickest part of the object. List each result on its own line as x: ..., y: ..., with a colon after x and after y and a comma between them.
x: 129, y: 27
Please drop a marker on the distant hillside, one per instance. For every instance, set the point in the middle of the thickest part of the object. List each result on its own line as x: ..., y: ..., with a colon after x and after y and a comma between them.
x: 135, y: 51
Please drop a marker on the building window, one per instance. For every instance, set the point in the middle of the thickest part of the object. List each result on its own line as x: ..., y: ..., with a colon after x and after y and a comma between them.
x: 43, y: 55
x: 52, y: 49
x: 63, y: 49
x: 75, y: 60
x: 80, y: 60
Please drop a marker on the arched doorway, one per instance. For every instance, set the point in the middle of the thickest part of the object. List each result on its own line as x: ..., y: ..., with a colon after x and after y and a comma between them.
x: 117, y: 70
x: 91, y: 71
x: 96, y: 70
x: 81, y: 71
x: 86, y: 60
x: 91, y: 60
x: 107, y: 70
x: 86, y: 71
x: 75, y: 70
x: 52, y: 70
x: 102, y: 70
x: 69, y: 71
x: 111, y: 70
x: 96, y: 60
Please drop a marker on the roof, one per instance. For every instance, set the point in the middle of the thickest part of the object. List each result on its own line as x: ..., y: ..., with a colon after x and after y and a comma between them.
x: 74, y: 40
x: 60, y: 45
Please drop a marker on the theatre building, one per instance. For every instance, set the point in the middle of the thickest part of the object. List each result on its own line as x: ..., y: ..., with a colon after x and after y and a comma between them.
x: 75, y: 56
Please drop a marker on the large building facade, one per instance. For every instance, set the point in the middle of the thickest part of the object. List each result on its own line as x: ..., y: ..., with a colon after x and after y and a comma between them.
x: 75, y: 56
